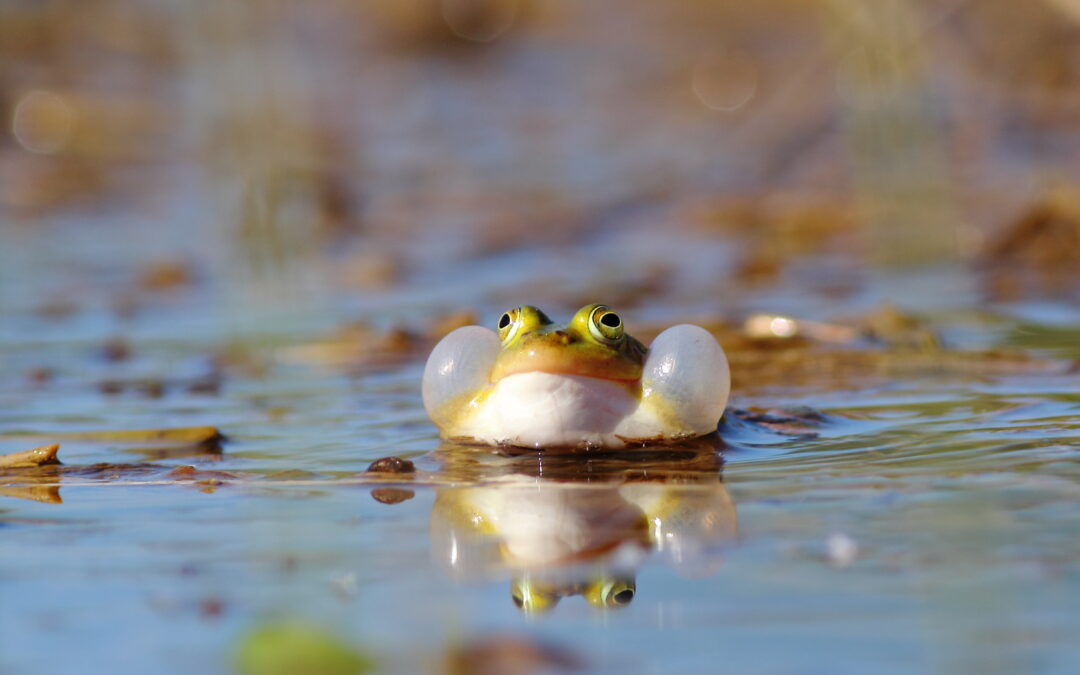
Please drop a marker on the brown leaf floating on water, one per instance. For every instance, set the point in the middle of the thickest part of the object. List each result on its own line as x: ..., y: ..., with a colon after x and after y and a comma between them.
x: 39, y: 376
x: 204, y: 442
x: 165, y: 275
x: 155, y: 387
x: 41, y: 456
x: 207, y: 481
x: 116, y: 348
x: 173, y: 435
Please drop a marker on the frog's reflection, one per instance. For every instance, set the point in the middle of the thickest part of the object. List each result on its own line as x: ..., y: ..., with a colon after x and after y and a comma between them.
x: 566, y: 524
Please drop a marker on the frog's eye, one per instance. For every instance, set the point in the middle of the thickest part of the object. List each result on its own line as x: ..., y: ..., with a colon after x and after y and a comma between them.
x: 605, y: 325
x: 521, y: 320
x: 530, y: 598
x: 509, y: 324
x: 608, y: 593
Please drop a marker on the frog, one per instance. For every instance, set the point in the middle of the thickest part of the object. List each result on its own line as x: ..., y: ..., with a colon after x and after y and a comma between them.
x: 586, y: 532
x: 586, y: 383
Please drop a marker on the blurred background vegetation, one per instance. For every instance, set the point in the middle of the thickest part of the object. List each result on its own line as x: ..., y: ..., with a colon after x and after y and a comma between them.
x: 278, y: 151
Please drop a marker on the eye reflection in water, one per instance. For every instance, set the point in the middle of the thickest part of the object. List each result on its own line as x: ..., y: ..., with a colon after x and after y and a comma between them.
x: 580, y: 523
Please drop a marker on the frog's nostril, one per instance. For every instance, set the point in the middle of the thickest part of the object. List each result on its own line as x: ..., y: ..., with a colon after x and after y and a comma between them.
x: 563, y: 337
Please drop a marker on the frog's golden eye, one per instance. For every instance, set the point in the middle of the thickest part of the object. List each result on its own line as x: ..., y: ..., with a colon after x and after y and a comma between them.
x: 509, y: 323
x: 520, y: 320
x: 605, y: 325
x: 532, y: 598
x: 608, y: 593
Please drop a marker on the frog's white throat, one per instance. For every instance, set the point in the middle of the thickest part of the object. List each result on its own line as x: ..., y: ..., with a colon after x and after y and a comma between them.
x: 550, y: 410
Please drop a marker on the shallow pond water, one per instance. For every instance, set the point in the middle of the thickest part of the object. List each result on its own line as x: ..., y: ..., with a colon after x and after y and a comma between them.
x: 921, y: 522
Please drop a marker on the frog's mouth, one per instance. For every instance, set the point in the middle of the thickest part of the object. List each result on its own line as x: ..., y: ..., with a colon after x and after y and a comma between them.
x: 559, y: 358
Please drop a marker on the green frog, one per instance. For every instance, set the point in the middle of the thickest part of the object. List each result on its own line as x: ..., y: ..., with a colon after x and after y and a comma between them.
x: 558, y: 528
x: 586, y: 383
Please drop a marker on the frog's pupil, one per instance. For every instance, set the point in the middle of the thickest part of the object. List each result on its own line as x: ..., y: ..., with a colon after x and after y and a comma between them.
x: 518, y: 600
x: 611, y: 320
x: 504, y: 321
x: 624, y: 597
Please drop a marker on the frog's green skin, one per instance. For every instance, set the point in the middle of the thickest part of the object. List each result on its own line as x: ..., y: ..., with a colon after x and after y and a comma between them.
x: 559, y: 539
x: 587, y: 383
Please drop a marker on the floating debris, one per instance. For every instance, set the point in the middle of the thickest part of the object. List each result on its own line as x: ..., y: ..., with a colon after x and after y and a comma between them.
x: 841, y: 549
x: 211, y: 608
x: 207, y: 385
x: 168, y: 275
x: 391, y: 465
x: 167, y: 435
x: 41, y: 456
x: 175, y: 442
x: 155, y: 387
x: 116, y: 349
x: 188, y: 472
x: 111, y: 387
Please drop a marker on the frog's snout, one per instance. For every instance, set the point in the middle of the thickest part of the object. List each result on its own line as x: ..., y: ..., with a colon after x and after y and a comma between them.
x: 553, y: 338
x: 562, y: 337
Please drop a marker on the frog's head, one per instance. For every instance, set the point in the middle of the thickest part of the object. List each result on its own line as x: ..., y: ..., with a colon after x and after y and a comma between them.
x: 593, y: 344
x: 537, y: 596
